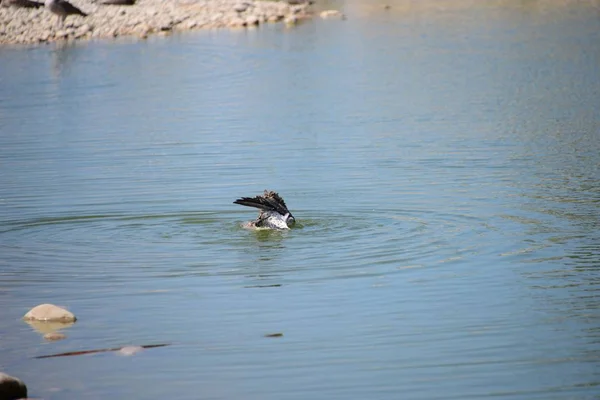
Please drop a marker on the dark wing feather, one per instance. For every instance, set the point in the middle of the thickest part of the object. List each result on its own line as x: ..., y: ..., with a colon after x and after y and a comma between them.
x: 70, y: 9
x: 269, y: 201
x: 118, y: 2
x: 26, y: 3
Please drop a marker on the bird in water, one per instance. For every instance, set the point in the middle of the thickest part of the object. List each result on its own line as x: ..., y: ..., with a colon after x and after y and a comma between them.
x: 63, y: 9
x: 274, y: 214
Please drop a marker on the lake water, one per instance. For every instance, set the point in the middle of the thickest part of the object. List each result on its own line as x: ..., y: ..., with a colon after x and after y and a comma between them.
x: 443, y: 166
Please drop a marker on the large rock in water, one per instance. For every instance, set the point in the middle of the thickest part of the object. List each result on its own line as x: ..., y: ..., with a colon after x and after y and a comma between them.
x: 11, y: 388
x: 49, y: 312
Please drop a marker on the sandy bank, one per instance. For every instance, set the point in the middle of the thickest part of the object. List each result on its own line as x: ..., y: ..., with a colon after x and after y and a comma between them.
x: 38, y: 25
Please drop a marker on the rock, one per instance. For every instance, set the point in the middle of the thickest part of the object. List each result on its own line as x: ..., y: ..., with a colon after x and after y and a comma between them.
x: 44, y: 37
x: 216, y: 17
x: 11, y: 388
x: 274, y: 18
x: 165, y: 27
x: 82, y: 31
x: 45, y: 327
x: 240, y: 8
x: 54, y: 336
x: 252, y: 20
x: 130, y: 350
x: 332, y: 14
x: 237, y: 23
x: 85, y: 28
x: 290, y: 20
x: 49, y: 312
x: 143, y: 30
x: 62, y: 34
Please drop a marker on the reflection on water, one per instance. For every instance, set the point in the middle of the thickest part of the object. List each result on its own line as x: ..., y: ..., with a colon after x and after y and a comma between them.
x: 442, y: 162
x: 64, y: 55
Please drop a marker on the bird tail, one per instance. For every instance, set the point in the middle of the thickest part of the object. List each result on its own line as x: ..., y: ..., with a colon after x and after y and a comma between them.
x: 71, y: 9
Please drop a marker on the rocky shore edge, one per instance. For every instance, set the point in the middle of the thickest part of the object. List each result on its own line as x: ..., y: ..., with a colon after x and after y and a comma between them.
x: 20, y: 25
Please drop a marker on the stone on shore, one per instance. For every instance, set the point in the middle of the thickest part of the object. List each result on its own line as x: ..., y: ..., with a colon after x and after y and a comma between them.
x: 240, y: 8
x: 290, y: 20
x: 11, y: 388
x: 252, y: 20
x: 49, y: 313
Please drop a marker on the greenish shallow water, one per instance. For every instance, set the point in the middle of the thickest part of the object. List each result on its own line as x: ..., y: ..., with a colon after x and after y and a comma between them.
x: 444, y: 169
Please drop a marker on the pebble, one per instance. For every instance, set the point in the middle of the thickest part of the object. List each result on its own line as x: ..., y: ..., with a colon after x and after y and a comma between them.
x: 21, y: 26
x: 50, y: 312
x: 54, y: 336
x: 130, y: 350
x: 11, y: 388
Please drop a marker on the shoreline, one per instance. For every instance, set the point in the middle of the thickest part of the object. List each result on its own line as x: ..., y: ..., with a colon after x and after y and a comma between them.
x: 146, y: 17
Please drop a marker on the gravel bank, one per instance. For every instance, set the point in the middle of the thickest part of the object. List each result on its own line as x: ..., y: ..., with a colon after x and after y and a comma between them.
x: 145, y: 17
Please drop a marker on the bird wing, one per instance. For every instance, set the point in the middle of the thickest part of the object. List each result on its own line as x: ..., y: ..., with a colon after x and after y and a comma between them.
x: 269, y: 201
x: 70, y: 9
x: 118, y: 2
x: 26, y: 3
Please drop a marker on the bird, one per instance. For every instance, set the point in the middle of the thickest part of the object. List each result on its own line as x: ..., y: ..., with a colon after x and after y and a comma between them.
x: 300, y: 2
x: 63, y: 9
x: 273, y: 214
x: 118, y: 2
x: 25, y: 3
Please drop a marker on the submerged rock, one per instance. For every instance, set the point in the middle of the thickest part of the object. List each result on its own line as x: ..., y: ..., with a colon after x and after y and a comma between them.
x: 11, y: 388
x: 47, y: 327
x: 130, y: 350
x: 332, y: 14
x: 50, y: 313
x: 54, y: 336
